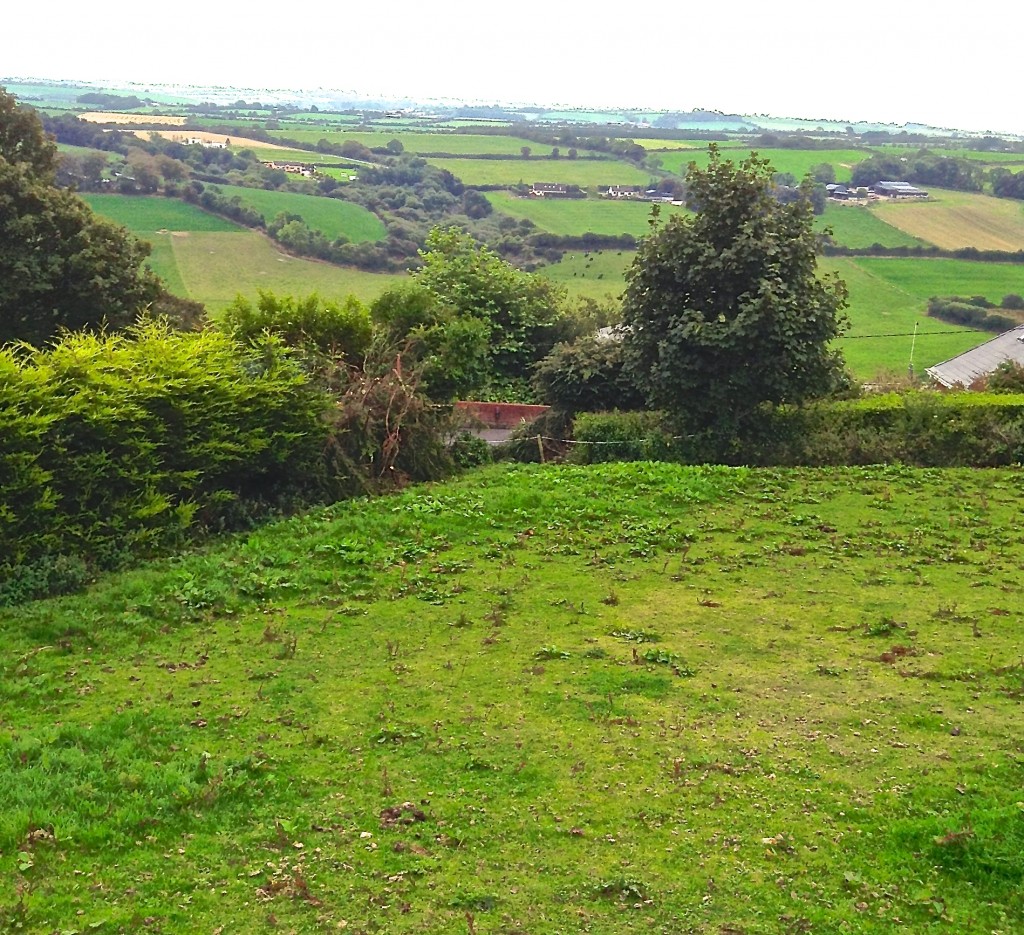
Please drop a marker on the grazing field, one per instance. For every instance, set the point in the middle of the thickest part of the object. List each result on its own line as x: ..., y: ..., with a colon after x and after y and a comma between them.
x: 127, y: 119
x: 217, y: 267
x: 859, y: 226
x: 959, y: 219
x: 575, y: 216
x: 586, y: 173
x: 990, y: 158
x: 625, y: 698
x: 445, y: 142
x: 795, y: 161
x: 330, y: 215
x: 143, y: 214
x: 597, y: 274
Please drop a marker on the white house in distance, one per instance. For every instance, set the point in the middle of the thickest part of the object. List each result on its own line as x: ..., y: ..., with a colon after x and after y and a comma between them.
x: 980, y: 361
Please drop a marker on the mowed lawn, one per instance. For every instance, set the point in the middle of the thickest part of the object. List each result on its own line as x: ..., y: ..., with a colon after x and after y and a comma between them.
x: 797, y: 162
x: 575, y: 216
x: 331, y: 216
x: 952, y: 220
x: 587, y: 173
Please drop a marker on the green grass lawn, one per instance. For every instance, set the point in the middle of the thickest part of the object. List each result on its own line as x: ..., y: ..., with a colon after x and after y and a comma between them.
x: 575, y: 216
x: 329, y: 215
x: 586, y: 173
x: 626, y: 698
x: 147, y: 214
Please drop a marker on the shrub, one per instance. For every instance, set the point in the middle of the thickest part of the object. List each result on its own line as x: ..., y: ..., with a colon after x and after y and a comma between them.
x: 115, y: 447
x: 587, y: 375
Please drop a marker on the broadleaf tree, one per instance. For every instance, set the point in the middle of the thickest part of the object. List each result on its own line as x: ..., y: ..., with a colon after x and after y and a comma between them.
x: 60, y: 265
x: 725, y: 310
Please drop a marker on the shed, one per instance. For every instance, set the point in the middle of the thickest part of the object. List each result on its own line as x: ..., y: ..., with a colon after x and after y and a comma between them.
x: 980, y: 361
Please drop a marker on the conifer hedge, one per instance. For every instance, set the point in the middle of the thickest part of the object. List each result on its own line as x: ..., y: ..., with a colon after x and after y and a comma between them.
x: 114, y: 447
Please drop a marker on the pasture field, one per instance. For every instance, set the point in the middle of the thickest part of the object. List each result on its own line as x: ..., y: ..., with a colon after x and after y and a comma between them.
x: 330, y: 215
x: 655, y: 145
x: 587, y: 173
x: 215, y: 268
x: 620, y: 698
x: 977, y: 155
x: 145, y: 214
x: 598, y: 274
x: 952, y: 220
x: 575, y: 216
x: 423, y: 142
x: 859, y: 226
x: 795, y: 161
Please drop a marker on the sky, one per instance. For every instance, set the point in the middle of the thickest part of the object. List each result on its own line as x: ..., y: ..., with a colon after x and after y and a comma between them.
x: 908, y: 62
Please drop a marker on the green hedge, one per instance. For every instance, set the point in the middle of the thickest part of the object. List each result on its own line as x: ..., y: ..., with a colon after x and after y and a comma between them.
x: 116, y: 447
x: 922, y: 428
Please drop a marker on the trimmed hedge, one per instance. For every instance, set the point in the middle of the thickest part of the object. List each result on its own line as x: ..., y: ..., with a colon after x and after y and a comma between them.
x: 927, y: 429
x: 116, y: 447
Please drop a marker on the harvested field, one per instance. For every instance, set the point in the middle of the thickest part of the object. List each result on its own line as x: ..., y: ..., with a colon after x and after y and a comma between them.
x: 98, y: 116
x: 238, y: 142
x: 952, y: 220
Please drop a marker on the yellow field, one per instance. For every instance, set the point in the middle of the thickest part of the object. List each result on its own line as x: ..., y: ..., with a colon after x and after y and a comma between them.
x: 181, y: 136
x: 952, y: 220
x: 128, y: 119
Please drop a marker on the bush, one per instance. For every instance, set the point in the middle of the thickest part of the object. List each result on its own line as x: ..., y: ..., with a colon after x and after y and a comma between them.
x: 587, y: 375
x: 118, y: 447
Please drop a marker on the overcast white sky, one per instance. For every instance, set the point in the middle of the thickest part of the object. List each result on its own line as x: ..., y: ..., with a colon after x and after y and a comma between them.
x: 897, y: 62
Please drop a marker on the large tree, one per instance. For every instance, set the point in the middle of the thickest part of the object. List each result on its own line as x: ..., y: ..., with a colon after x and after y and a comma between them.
x: 60, y: 265
x: 725, y: 310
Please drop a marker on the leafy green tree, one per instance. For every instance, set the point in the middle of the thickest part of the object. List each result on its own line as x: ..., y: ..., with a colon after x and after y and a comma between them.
x: 724, y: 310
x: 520, y: 312
x: 60, y: 265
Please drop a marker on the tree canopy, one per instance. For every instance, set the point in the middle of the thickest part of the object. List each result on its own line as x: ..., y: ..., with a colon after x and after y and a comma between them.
x: 60, y: 265
x: 724, y: 310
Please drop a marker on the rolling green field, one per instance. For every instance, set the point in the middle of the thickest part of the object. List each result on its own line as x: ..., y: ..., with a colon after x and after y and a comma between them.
x: 586, y: 173
x: 859, y: 226
x: 795, y: 161
x: 455, y: 143
x: 538, y: 699
x: 143, y: 214
x: 597, y: 274
x: 329, y: 215
x: 575, y: 216
x: 952, y: 220
x: 215, y: 268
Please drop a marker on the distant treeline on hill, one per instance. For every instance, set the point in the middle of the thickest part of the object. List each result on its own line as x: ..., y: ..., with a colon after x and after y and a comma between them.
x: 963, y: 253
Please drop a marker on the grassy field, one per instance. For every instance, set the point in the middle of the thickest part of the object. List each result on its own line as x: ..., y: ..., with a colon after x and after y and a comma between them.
x: 455, y: 143
x: 959, y: 219
x: 628, y: 698
x: 595, y: 275
x: 147, y: 214
x: 215, y: 268
x: 586, y: 173
x: 795, y: 161
x: 329, y: 215
x: 574, y: 216
x: 858, y: 226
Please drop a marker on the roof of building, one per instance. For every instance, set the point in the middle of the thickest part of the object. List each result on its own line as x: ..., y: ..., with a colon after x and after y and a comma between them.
x: 964, y: 369
x: 901, y: 188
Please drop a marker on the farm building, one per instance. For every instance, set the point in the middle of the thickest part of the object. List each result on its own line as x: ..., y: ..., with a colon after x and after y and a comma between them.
x: 898, y: 190
x: 980, y: 361
x: 549, y: 190
x: 623, y: 191
x: 304, y: 169
x: 840, y: 192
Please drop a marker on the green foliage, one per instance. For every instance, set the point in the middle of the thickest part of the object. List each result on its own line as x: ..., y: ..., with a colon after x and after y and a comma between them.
x: 973, y: 314
x: 1008, y: 377
x: 518, y: 311
x: 338, y: 330
x: 587, y: 375
x: 60, y: 266
x: 921, y: 428
x: 724, y: 311
x: 114, y: 447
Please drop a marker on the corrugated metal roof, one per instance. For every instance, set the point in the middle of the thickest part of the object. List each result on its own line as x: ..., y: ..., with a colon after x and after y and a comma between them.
x: 981, y: 360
